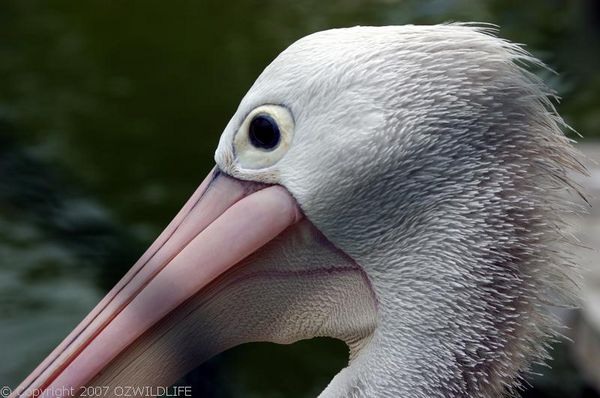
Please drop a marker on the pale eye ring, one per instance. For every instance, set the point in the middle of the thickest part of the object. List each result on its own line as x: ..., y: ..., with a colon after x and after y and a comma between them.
x: 264, y: 136
x: 263, y: 132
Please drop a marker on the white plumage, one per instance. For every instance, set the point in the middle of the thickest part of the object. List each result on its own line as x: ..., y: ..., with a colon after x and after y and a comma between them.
x: 435, y: 161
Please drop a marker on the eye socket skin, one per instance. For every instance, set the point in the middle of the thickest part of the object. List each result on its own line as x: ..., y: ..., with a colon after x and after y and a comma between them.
x: 263, y: 137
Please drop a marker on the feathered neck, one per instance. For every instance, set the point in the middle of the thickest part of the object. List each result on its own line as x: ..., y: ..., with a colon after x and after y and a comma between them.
x: 468, y: 251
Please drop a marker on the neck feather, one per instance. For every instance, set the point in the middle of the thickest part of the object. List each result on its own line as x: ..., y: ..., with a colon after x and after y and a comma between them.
x: 462, y: 238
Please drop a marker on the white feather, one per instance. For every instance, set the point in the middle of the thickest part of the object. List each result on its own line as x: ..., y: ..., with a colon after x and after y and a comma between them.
x: 435, y: 161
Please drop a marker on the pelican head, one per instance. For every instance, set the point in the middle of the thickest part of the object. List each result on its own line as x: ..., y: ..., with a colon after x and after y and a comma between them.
x: 397, y: 188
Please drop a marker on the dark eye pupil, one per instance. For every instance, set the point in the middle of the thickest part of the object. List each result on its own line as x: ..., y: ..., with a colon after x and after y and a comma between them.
x: 264, y: 132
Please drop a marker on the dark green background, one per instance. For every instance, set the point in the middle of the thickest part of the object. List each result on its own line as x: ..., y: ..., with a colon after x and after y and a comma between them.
x: 109, y: 115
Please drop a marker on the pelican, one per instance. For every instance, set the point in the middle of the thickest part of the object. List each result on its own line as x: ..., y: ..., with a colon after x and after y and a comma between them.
x: 398, y: 188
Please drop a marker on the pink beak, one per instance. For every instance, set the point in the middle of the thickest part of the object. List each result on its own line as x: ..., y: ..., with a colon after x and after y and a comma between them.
x: 224, y: 221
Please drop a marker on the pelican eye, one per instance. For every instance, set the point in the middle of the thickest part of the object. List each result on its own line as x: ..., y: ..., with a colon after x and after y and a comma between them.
x: 264, y: 132
x: 264, y: 136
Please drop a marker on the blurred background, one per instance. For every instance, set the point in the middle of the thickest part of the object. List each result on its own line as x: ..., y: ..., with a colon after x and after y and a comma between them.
x: 109, y: 115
